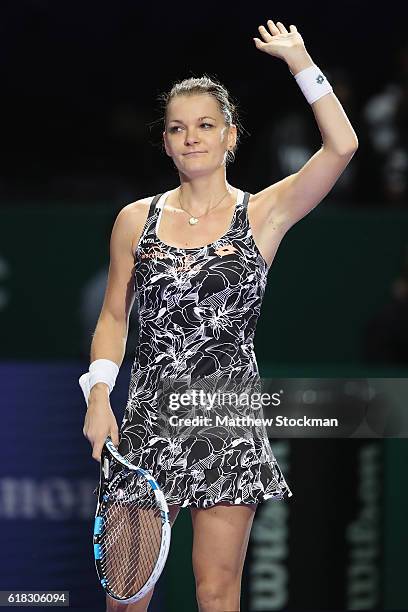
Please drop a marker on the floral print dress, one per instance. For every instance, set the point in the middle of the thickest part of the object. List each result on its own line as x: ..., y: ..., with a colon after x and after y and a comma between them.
x: 198, y: 310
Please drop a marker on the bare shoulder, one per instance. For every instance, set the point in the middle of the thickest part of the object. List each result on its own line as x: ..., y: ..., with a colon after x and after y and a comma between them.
x: 266, y: 203
x: 260, y: 204
x: 271, y: 194
x: 136, y: 211
x: 131, y: 220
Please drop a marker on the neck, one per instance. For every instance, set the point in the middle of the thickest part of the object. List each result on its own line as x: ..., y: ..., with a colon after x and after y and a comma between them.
x: 200, y: 195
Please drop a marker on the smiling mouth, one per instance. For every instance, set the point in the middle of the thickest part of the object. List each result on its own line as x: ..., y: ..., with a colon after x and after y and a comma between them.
x: 195, y: 153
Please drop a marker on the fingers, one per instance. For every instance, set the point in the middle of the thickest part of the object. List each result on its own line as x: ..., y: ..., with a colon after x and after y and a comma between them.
x: 274, y: 29
x: 281, y: 28
x: 98, y: 444
x: 264, y: 33
x: 97, y: 450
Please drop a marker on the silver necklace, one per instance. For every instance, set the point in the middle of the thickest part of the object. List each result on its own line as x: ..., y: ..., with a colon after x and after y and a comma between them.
x: 194, y: 220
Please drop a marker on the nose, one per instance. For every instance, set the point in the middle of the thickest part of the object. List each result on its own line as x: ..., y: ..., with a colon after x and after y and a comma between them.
x: 191, y: 137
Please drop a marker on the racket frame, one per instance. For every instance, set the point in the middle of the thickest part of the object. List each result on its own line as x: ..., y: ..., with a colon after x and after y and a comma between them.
x: 110, y: 449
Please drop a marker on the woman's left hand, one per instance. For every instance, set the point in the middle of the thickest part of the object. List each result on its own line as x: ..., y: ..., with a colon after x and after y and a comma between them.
x: 277, y: 41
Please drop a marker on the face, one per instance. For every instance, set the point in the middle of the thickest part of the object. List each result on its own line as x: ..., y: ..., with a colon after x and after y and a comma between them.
x: 196, y: 137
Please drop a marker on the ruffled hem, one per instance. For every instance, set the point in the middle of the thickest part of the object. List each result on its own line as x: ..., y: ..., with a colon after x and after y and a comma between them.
x: 202, y: 472
x: 257, y: 483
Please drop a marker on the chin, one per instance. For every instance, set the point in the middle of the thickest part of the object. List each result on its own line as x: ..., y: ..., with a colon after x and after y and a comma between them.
x: 195, y: 168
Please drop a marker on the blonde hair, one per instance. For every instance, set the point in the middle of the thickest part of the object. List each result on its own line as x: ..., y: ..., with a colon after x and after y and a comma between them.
x: 206, y: 85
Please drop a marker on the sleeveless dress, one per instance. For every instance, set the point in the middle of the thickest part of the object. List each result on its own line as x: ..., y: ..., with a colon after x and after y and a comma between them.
x: 198, y: 310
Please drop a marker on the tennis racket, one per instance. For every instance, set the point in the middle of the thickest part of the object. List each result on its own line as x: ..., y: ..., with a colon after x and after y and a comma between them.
x: 132, y: 530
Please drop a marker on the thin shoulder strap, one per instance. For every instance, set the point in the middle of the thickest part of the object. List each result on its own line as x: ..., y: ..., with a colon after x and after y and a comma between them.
x: 151, y: 213
x: 148, y: 223
x: 153, y: 205
x: 245, y: 200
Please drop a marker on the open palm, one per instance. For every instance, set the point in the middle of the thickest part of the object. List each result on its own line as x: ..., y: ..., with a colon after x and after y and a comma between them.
x: 277, y: 41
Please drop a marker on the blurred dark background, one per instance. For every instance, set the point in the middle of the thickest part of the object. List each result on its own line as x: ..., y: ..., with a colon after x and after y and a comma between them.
x: 81, y: 138
x: 80, y: 81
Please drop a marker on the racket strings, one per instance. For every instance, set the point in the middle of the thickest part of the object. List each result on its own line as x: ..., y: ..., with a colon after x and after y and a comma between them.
x: 143, y: 560
x: 131, y: 538
x: 128, y: 564
x: 138, y: 538
x: 135, y: 566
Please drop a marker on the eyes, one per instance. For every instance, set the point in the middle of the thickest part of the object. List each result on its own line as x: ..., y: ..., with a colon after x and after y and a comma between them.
x: 176, y: 127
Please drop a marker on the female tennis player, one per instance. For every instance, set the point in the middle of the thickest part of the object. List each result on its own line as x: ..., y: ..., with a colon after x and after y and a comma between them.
x: 197, y: 259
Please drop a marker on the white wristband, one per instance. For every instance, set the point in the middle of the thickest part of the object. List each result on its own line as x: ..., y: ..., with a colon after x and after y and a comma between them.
x: 313, y: 83
x: 103, y: 370
x: 84, y: 384
x: 100, y: 370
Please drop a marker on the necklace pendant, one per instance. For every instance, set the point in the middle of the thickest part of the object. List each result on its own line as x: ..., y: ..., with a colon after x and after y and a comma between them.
x: 193, y: 220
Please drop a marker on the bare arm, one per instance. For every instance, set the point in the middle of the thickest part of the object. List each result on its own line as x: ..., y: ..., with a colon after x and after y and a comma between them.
x: 296, y: 195
x: 109, y: 340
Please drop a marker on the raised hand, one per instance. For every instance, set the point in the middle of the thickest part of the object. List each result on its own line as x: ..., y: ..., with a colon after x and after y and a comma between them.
x: 277, y: 41
x: 288, y: 46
